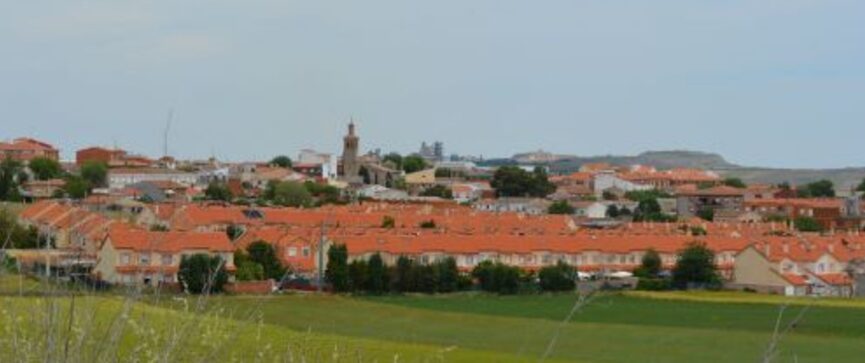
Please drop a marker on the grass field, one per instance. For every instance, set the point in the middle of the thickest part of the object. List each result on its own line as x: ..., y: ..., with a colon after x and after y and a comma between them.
x: 630, y: 327
x: 613, y: 328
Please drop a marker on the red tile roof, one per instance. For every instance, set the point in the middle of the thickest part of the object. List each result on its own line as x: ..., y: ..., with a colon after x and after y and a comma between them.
x: 124, y: 237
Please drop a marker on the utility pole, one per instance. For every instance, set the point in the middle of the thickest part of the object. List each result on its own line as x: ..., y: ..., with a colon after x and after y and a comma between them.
x: 320, y: 274
x: 167, y: 129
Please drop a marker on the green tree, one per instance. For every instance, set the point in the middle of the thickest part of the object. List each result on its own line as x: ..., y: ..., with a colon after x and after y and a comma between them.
x: 735, y: 183
x: 202, y: 274
x: 695, y: 266
x: 559, y: 277
x: 96, y: 173
x: 247, y: 269
x: 336, y: 272
x: 9, y: 170
x: 413, y: 163
x: 861, y: 187
x: 76, y: 187
x: 497, y: 277
x: 234, y: 231
x: 650, y: 265
x: 323, y: 193
x: 45, y: 168
x: 264, y: 254
x: 641, y: 195
x: 218, y: 191
x: 440, y: 191
x: 613, y: 211
x: 19, y: 236
x: 608, y: 195
x: 402, y: 276
x: 357, y: 275
x: 650, y: 210
x: 541, y: 185
x: 376, y: 275
x: 289, y: 193
x: 706, y: 214
x: 818, y: 189
x: 425, y: 278
x: 281, y: 161
x: 448, y: 275
x: 394, y: 158
x: 698, y: 231
x: 560, y: 207
x: 807, y: 224
x: 512, y: 181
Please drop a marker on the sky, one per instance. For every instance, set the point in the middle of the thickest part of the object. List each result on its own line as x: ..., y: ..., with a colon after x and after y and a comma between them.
x: 776, y: 83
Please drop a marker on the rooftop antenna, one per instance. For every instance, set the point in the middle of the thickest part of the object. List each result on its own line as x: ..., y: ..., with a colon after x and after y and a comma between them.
x: 167, y: 128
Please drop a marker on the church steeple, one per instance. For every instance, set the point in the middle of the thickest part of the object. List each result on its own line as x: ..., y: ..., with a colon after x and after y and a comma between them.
x: 350, y: 163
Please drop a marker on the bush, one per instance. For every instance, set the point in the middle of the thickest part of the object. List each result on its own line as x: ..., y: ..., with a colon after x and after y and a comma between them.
x: 428, y: 224
x: 440, y: 191
x: 706, y: 214
x: 336, y: 272
x: 202, y: 273
x: 654, y: 284
x: 265, y: 255
x: 560, y: 207
x: 560, y: 277
x: 650, y: 265
x: 247, y: 269
x: 218, y: 191
x: 497, y: 277
x: 695, y: 267
x: 376, y: 275
x: 698, y: 231
x: 807, y: 224
x: 357, y: 276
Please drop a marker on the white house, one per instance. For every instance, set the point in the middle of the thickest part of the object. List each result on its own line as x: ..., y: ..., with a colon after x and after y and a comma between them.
x: 121, y: 178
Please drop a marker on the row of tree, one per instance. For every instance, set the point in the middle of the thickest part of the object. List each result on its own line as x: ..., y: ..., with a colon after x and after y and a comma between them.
x: 13, y: 175
x: 373, y: 276
x: 201, y: 273
x: 513, y: 181
x: 282, y: 193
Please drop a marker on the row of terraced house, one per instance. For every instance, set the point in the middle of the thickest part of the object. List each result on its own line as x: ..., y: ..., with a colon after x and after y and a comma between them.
x: 760, y: 256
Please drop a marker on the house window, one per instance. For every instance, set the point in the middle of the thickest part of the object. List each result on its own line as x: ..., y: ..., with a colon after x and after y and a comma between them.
x: 821, y: 267
x: 144, y: 259
x: 546, y: 259
x: 424, y: 259
x: 292, y: 251
x: 167, y: 259
x: 306, y: 252
x: 124, y: 259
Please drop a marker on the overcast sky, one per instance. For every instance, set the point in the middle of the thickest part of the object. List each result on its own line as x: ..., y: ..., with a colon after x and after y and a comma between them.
x: 769, y: 82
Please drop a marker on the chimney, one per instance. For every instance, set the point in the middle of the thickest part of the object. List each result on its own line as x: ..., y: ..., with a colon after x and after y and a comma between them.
x: 786, y: 247
x: 832, y: 247
x: 767, y: 249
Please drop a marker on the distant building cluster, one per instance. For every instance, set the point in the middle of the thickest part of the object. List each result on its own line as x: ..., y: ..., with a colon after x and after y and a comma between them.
x: 604, y: 218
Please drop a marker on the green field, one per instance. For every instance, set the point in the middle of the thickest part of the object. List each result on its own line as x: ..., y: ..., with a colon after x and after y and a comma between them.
x: 631, y: 327
x: 613, y: 328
